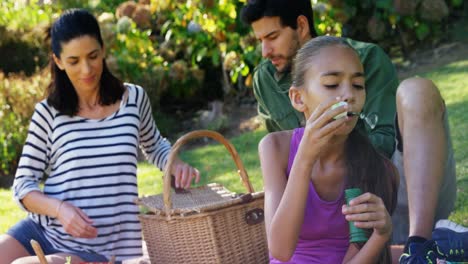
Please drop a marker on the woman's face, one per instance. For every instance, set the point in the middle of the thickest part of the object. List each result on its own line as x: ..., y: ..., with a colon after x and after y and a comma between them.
x: 82, y: 59
x: 335, y: 71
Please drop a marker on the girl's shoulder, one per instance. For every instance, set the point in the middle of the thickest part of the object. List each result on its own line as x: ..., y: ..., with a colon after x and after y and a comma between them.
x: 277, y: 141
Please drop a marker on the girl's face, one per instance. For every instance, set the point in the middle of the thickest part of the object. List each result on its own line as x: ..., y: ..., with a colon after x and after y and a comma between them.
x: 82, y: 59
x: 336, y: 71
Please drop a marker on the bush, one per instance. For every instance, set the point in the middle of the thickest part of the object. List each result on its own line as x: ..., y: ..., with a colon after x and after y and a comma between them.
x: 29, y: 54
x: 390, y: 23
x: 22, y: 31
x: 18, y: 96
x: 171, y: 49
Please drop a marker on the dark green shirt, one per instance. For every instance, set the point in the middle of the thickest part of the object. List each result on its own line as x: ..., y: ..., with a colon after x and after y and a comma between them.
x: 271, y: 92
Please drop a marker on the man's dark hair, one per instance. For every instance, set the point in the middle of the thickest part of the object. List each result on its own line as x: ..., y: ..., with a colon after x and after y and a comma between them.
x: 61, y: 94
x: 287, y: 10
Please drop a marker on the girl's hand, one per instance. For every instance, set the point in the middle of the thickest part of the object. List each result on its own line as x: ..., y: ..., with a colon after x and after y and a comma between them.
x: 184, y: 174
x: 368, y: 211
x: 75, y: 221
x: 320, y: 126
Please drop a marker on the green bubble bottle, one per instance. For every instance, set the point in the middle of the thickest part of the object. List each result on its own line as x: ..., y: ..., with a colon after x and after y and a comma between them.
x: 356, y: 234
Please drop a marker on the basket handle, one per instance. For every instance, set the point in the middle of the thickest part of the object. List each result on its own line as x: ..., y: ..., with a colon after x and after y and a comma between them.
x: 193, y: 135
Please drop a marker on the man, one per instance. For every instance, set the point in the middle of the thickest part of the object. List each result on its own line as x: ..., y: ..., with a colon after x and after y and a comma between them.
x: 420, y: 128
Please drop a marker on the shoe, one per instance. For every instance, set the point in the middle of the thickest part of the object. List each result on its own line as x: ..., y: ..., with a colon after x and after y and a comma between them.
x: 420, y: 253
x: 451, y: 241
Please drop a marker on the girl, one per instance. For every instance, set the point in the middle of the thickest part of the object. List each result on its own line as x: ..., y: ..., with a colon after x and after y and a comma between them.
x: 306, y: 170
x: 84, y: 136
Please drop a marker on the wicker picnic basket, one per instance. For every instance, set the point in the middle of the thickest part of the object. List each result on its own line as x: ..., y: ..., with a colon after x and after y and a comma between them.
x: 207, y: 224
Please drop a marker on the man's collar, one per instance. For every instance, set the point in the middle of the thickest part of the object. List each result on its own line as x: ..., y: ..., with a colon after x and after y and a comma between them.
x: 278, y: 75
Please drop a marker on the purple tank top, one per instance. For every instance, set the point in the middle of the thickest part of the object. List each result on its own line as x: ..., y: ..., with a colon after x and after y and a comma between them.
x: 324, y: 236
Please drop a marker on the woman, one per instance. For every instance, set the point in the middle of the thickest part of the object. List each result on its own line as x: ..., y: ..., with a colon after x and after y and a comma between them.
x: 306, y: 170
x: 84, y: 136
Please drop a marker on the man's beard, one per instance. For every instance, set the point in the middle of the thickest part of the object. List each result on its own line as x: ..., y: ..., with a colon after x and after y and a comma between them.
x: 295, y: 46
x: 287, y: 67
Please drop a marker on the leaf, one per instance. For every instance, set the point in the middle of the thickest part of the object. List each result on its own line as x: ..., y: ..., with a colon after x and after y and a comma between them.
x: 408, y: 22
x: 215, y: 58
x: 166, y: 26
x: 422, y: 31
x: 245, y: 69
x: 234, y: 76
x: 201, y: 54
x: 384, y: 4
x: 168, y: 35
x: 457, y: 3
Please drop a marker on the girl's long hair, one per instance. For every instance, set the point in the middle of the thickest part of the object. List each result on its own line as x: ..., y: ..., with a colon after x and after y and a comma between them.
x: 372, y: 172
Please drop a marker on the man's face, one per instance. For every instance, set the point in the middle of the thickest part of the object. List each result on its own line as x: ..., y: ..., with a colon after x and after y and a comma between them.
x: 279, y: 43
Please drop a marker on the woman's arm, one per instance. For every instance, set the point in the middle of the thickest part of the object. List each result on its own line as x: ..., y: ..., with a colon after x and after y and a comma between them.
x: 368, y: 211
x: 153, y: 144
x: 35, y: 155
x: 73, y: 219
x: 156, y: 147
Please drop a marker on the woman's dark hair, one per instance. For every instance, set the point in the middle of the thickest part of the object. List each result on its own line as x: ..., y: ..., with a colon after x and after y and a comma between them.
x: 61, y: 94
x: 367, y: 169
x: 287, y: 10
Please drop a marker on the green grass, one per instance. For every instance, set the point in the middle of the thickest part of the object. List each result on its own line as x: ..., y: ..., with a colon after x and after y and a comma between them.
x: 216, y: 166
x: 9, y: 211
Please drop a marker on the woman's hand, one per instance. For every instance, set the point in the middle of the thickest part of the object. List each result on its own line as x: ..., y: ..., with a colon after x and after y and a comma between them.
x: 75, y: 221
x: 368, y: 211
x: 184, y: 174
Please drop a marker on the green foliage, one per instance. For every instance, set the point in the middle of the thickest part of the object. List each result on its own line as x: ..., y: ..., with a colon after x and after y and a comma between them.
x: 28, y: 52
x: 16, y: 107
x: 406, y: 24
x: 19, y: 16
x: 22, y: 28
x: 134, y: 51
x: 97, y: 5
x: 185, y: 40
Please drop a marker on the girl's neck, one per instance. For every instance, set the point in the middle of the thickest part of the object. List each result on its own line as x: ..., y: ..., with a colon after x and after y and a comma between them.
x: 335, y: 153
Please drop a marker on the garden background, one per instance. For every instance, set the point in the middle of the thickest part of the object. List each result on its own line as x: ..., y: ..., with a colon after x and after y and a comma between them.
x: 195, y: 59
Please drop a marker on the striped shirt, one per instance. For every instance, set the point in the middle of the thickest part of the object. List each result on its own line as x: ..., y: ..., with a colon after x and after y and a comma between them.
x: 92, y: 164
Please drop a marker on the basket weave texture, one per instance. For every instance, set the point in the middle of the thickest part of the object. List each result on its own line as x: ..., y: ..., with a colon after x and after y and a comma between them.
x: 207, y: 224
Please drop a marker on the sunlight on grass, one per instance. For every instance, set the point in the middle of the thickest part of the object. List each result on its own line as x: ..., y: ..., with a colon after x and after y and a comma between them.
x: 9, y: 211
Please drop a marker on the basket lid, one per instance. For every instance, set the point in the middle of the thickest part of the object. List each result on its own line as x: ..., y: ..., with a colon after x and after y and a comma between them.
x: 197, y: 200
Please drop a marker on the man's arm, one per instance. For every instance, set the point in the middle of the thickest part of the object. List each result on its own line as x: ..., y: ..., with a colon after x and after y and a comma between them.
x: 381, y: 86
